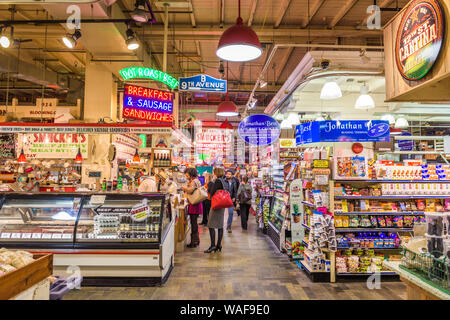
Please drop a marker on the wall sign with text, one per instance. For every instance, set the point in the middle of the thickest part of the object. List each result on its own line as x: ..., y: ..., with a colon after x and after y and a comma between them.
x: 259, y: 129
x: 147, y: 73
x: 53, y: 145
x: 203, y: 82
x: 147, y: 104
x: 419, y: 38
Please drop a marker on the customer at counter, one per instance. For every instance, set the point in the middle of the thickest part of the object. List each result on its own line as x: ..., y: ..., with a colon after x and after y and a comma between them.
x: 148, y: 185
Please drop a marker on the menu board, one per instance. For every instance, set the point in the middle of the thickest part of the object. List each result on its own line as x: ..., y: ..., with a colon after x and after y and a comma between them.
x: 7, y: 146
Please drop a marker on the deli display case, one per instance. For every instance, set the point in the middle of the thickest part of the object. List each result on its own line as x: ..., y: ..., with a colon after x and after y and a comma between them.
x: 108, y: 238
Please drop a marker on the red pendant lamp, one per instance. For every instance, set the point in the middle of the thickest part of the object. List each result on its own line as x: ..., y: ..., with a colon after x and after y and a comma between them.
x: 22, y: 158
x: 79, y: 157
x: 136, y: 157
x: 239, y: 43
x: 227, y: 108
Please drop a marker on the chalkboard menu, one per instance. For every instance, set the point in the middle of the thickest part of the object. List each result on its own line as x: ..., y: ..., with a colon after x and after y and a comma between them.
x: 7, y: 146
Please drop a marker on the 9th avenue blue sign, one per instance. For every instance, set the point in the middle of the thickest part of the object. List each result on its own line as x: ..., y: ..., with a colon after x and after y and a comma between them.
x: 259, y: 129
x: 202, y: 82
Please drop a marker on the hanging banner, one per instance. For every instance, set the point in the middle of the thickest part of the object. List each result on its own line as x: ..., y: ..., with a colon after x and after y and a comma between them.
x: 419, y: 38
x: 53, y: 145
x: 202, y: 82
x: 7, y: 146
x: 342, y: 131
x: 147, y: 104
x: 259, y: 129
x: 297, y: 229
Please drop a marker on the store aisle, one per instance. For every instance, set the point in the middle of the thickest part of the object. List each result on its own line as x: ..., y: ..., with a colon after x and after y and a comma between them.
x: 249, y: 267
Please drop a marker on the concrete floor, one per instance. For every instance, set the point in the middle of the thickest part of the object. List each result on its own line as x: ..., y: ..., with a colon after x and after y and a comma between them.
x: 249, y: 267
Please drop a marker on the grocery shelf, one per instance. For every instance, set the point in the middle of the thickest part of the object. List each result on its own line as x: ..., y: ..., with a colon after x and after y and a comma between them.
x: 348, y: 248
x: 385, y: 273
x: 391, y: 197
x: 378, y: 213
x: 372, y: 229
x: 389, y: 181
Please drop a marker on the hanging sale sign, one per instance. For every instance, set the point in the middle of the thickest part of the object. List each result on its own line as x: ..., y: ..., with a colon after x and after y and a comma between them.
x: 259, y: 129
x: 147, y: 104
x: 202, y: 82
x: 53, y: 145
x: 297, y: 229
x: 342, y: 131
x: 419, y: 38
x: 7, y: 146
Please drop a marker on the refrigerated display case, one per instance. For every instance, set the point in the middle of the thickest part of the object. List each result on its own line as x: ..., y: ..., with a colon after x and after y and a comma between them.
x: 110, y: 238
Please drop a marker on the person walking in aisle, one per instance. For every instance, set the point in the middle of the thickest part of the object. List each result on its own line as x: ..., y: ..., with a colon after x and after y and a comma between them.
x: 193, y: 209
x: 216, y: 217
x: 237, y: 180
x: 207, y: 203
x: 244, y: 195
x: 231, y: 187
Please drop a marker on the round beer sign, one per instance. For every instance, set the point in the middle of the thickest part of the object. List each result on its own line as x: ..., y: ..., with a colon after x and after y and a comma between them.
x: 419, y: 38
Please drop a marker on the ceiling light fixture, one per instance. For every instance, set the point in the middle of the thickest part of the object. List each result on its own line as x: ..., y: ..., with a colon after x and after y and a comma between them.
x: 136, y: 158
x: 279, y: 117
x: 70, y: 40
x: 226, y: 125
x: 330, y: 91
x: 239, y: 43
x: 401, y: 123
x: 79, y: 157
x: 395, y: 131
x: 227, y: 108
x: 22, y: 158
x: 364, y: 101
x: 286, y: 124
x: 262, y: 83
x: 293, y: 118
x: 131, y: 41
x: 139, y: 14
x: 319, y: 118
x: 253, y: 102
x: 4, y: 40
x: 388, y: 117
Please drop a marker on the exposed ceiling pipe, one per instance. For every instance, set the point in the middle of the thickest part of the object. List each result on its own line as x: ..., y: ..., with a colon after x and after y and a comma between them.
x: 305, y: 45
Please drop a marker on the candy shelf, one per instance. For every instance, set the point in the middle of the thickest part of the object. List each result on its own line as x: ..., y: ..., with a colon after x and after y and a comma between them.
x: 378, y: 213
x: 373, y: 229
x: 391, y: 197
x: 351, y: 248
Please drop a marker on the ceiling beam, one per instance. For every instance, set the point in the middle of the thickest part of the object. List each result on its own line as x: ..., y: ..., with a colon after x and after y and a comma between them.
x: 222, y: 12
x: 281, y: 12
x: 252, y: 12
x: 342, y: 12
x: 313, y: 11
x: 194, y: 24
x: 284, y: 61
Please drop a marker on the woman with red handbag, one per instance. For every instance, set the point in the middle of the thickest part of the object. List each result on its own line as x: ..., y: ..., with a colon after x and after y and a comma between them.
x: 216, y: 215
x: 193, y: 209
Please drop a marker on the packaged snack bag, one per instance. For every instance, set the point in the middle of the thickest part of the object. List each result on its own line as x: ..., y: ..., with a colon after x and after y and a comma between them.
x: 388, y: 220
x: 381, y: 222
x: 373, y: 221
x: 420, y: 205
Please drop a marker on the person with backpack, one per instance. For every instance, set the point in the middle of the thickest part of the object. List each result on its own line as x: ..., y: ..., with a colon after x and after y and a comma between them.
x: 244, y: 195
x: 231, y: 187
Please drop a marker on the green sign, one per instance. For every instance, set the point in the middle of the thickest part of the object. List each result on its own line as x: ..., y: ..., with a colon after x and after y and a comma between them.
x: 142, y: 141
x: 147, y: 73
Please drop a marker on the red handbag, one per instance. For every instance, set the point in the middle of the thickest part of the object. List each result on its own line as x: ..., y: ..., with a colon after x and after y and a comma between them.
x: 221, y: 200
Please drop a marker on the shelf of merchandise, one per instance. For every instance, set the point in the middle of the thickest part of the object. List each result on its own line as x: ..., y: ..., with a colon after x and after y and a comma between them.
x: 390, y: 197
x: 352, y: 248
x: 378, y: 213
x: 383, y: 273
x: 388, y: 181
x: 374, y: 229
x: 315, y: 276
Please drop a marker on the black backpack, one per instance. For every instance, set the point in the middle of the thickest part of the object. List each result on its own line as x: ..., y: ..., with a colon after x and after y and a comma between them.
x: 244, y: 196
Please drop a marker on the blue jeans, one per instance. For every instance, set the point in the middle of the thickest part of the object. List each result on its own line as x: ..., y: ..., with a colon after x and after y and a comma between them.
x: 230, y: 216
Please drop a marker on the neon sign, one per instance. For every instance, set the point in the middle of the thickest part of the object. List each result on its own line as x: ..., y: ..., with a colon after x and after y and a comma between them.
x: 147, y: 104
x: 147, y: 73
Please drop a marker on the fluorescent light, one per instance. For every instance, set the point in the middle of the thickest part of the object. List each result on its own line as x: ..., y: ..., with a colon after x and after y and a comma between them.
x: 286, y: 124
x: 62, y: 215
x: 388, y: 117
x: 262, y: 83
x: 293, y: 118
x: 401, y: 123
x: 4, y: 41
x: 330, y: 90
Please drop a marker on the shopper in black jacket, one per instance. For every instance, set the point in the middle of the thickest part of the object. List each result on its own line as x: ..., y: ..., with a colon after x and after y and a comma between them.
x: 216, y: 217
x: 232, y: 189
x: 207, y: 203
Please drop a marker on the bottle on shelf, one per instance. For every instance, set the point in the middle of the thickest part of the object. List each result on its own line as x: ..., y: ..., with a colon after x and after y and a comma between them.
x: 119, y: 183
x: 104, y: 184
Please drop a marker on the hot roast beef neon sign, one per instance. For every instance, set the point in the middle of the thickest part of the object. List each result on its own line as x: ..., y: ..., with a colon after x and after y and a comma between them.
x: 147, y: 104
x: 147, y: 73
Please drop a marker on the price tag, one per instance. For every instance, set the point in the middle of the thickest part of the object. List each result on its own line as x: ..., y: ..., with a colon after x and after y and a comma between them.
x: 79, y: 235
x: 36, y: 235
x: 67, y: 236
x: 26, y: 236
x: 46, y: 236
x: 320, y: 163
x: 16, y: 235
x: 98, y: 199
x: 6, y: 235
x: 56, y: 236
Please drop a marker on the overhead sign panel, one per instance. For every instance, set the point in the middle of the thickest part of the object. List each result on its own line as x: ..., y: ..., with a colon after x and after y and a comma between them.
x: 147, y: 73
x: 202, y: 82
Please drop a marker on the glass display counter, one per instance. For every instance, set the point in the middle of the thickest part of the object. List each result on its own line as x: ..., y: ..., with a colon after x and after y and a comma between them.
x: 110, y: 237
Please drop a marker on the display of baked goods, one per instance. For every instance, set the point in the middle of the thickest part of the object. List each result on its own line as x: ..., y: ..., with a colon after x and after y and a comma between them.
x: 11, y: 260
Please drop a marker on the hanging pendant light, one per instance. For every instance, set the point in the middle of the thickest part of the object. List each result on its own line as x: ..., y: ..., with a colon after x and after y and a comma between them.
x: 239, y: 43
x: 136, y: 158
x: 286, y: 124
x: 227, y: 108
x: 330, y: 91
x: 364, y: 101
x: 388, y: 117
x: 401, y: 123
x: 79, y: 157
x: 293, y: 119
x: 319, y: 118
x: 22, y: 158
x: 226, y: 125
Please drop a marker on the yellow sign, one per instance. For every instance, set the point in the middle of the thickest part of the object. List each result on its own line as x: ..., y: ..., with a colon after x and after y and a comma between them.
x: 320, y: 164
x: 287, y: 143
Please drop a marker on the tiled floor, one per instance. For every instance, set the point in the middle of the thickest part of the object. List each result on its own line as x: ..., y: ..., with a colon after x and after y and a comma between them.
x: 249, y: 267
